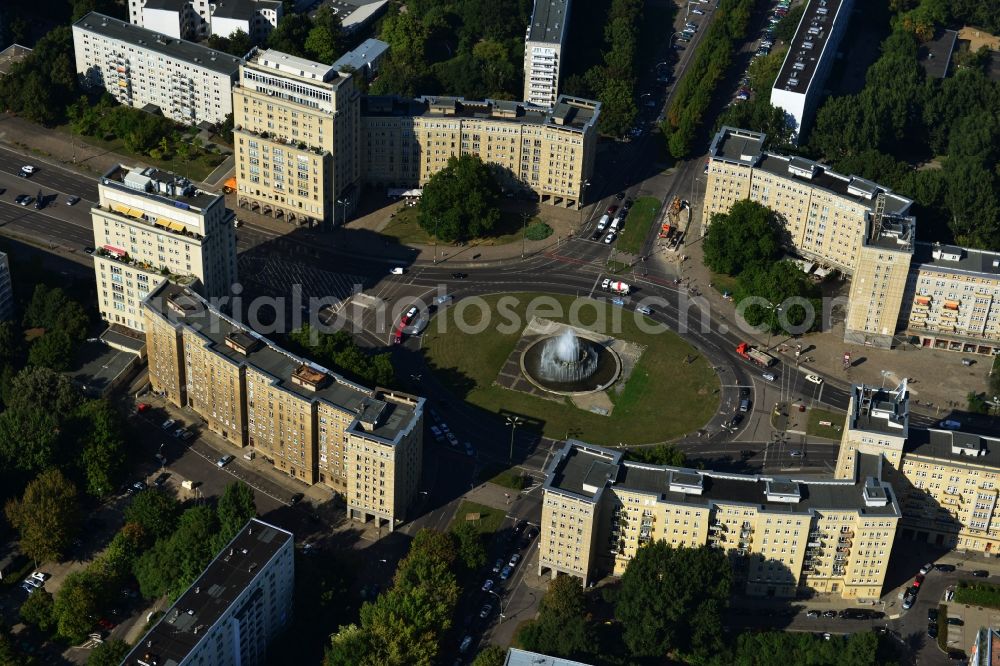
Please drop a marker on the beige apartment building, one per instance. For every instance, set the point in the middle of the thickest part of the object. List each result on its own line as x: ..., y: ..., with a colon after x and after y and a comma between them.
x: 781, y: 533
x: 296, y: 134
x: 823, y: 213
x: 305, y: 420
x: 547, y: 151
x: 947, y: 480
x: 940, y: 297
x: 151, y: 226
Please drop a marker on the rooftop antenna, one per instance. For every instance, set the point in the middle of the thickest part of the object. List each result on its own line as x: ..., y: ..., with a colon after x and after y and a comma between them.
x: 877, y: 216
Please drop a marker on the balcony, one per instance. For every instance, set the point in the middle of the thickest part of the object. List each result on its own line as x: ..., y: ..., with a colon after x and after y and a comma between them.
x: 844, y: 540
x: 847, y: 533
x: 717, y: 527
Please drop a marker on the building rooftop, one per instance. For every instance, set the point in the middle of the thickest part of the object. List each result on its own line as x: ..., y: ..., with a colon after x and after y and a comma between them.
x: 896, y: 233
x: 548, y: 21
x: 176, y: 49
x: 953, y: 259
x: 809, y: 44
x: 568, y: 113
x: 380, y: 415
x: 11, y: 55
x: 880, y: 410
x: 579, y: 468
x: 242, y: 9
x: 291, y: 65
x: 189, y: 620
x: 737, y: 145
x: 959, y: 446
x: 368, y: 51
x: 935, y: 54
x: 517, y: 657
x: 157, y: 185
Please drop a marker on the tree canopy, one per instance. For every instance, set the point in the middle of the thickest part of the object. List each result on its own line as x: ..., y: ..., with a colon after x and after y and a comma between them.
x: 781, y: 648
x: 338, y: 351
x: 746, y: 235
x: 236, y: 507
x: 42, y: 85
x: 672, y: 600
x: 561, y: 628
x: 460, y: 201
x: 154, y: 511
x: 47, y: 517
x: 783, y: 285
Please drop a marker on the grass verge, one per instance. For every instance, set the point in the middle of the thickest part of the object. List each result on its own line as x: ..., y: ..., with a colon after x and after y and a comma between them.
x: 671, y: 391
x: 723, y: 283
x: 508, y: 478
x: 489, y: 520
x: 817, y: 417
x: 640, y: 217
x: 977, y: 594
x: 942, y: 637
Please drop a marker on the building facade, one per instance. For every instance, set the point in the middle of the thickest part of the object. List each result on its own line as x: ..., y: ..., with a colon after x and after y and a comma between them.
x: 543, y: 43
x: 197, y: 19
x: 186, y: 82
x: 781, y: 534
x: 800, y: 83
x: 940, y: 297
x: 308, y: 422
x: 947, y: 480
x: 549, y: 152
x: 6, y: 289
x: 235, y: 608
x: 297, y: 137
x: 151, y: 226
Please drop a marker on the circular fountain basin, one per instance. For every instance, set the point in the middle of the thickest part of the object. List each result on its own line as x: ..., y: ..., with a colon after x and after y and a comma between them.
x: 586, y: 366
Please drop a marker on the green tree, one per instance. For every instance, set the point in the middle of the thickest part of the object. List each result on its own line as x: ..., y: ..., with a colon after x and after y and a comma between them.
x: 492, y: 655
x: 11, y: 343
x: 460, y: 201
x: 108, y: 653
x: 235, y: 508
x: 237, y: 44
x: 471, y: 549
x: 661, y: 454
x: 39, y: 610
x: 745, y: 236
x: 54, y: 350
x: 291, y: 34
x: 171, y: 565
x: 103, y: 458
x: 323, y: 43
x: 52, y: 309
x: 561, y: 627
x: 77, y: 604
x: 782, y: 285
x: 778, y: 648
x: 787, y: 26
x: 977, y: 403
x: 154, y: 511
x: 672, y: 599
x: 42, y: 388
x: 29, y: 439
x: 47, y: 517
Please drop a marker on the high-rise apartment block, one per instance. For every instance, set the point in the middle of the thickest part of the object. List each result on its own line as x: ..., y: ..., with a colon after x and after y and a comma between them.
x: 943, y: 296
x: 152, y: 226
x: 947, y: 480
x: 198, y: 19
x: 6, y: 289
x: 296, y: 133
x: 237, y: 606
x: 800, y: 83
x: 781, y: 533
x: 306, y: 421
x: 187, y: 82
x: 543, y: 45
x: 546, y: 151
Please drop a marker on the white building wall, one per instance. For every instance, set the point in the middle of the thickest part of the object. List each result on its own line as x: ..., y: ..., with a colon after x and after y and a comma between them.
x: 793, y: 103
x: 541, y: 72
x: 225, y: 27
x: 163, y: 21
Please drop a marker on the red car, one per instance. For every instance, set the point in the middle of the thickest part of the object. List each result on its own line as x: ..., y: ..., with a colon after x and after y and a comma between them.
x: 397, y: 337
x: 106, y: 624
x: 612, y: 210
x: 918, y: 580
x: 142, y: 407
x: 408, y: 317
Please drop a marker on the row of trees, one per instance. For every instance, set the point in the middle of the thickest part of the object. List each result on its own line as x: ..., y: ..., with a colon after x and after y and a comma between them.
x: 746, y: 242
x: 694, y: 92
x: 405, y: 624
x: 472, y: 48
x: 757, y: 112
x: 613, y: 81
x: 318, y: 38
x: 164, y: 548
x: 339, y: 351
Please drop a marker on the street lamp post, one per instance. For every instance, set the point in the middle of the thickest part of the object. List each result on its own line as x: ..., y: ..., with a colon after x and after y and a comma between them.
x: 524, y: 229
x: 499, y: 604
x: 513, y: 422
x: 775, y: 309
x: 437, y: 223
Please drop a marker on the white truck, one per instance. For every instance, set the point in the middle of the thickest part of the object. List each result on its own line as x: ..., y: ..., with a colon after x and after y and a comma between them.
x: 603, y: 223
x: 620, y: 288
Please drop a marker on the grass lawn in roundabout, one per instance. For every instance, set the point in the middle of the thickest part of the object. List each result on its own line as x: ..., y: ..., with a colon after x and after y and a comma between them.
x: 671, y: 391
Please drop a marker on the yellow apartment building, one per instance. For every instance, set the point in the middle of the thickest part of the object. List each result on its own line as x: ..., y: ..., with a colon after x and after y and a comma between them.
x: 305, y: 420
x: 947, y: 480
x: 782, y: 534
x: 296, y: 135
x: 547, y: 151
x: 152, y: 225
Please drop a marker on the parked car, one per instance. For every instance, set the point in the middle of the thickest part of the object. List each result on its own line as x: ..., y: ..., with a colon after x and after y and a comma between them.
x: 469, y: 451
x: 397, y: 270
x: 88, y: 250
x: 927, y: 568
x: 488, y: 585
x: 514, y: 559
x: 72, y: 200
x: 932, y: 630
x: 465, y: 645
x: 223, y: 461
x: 932, y: 615
x: 918, y: 581
x: 498, y: 565
x: 981, y: 573
x: 137, y: 487
x: 610, y: 238
x: 168, y: 424
x: 24, y: 200
x: 161, y: 479
x: 33, y: 582
x: 812, y: 613
x: 950, y: 424
x: 460, y: 276
x: 956, y: 622
x: 506, y: 572
x: 485, y: 611
x: 769, y: 376
x: 830, y: 613
x: 814, y: 379
x: 295, y: 498
x: 947, y: 568
x: 644, y: 309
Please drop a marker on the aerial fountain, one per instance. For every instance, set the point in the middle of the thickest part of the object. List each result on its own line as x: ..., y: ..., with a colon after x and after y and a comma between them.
x: 569, y: 363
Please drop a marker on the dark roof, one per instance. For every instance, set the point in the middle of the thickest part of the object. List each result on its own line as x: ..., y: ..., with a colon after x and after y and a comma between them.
x: 935, y: 55
x: 978, y: 262
x: 189, y: 620
x: 959, y: 446
x: 394, y: 418
x: 548, y: 21
x: 579, y: 465
x: 568, y: 113
x: 738, y: 145
x: 880, y: 410
x: 165, y: 186
x: 819, y: 16
x: 176, y: 49
x: 241, y: 9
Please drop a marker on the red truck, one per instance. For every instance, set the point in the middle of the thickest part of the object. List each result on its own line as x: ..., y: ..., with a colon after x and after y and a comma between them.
x: 754, y: 355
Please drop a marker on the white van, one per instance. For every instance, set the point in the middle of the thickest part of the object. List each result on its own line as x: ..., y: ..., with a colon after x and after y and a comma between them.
x: 614, y: 223
x: 603, y: 223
